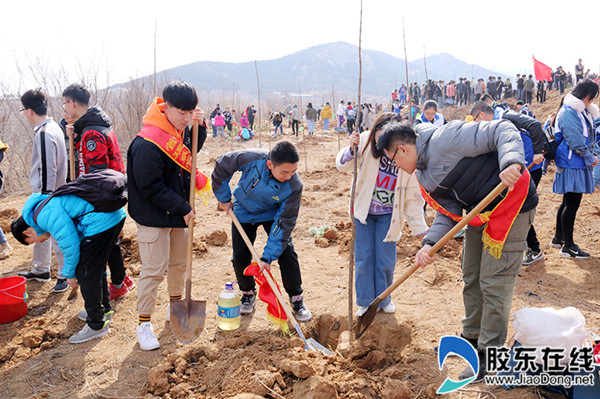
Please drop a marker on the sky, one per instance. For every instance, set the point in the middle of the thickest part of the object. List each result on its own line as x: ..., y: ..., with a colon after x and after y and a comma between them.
x: 114, y: 40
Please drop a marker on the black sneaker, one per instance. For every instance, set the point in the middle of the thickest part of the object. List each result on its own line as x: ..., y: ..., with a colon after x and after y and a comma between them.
x: 61, y: 285
x: 247, y: 302
x: 300, y: 310
x: 556, y: 243
x: 473, y: 343
x: 532, y: 257
x: 573, y: 252
x: 42, y: 277
x: 481, y: 373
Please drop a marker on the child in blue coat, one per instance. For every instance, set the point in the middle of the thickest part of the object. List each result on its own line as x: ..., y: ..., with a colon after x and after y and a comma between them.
x: 85, y: 238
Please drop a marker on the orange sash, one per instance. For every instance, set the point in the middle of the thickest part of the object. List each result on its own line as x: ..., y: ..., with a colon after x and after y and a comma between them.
x: 179, y: 153
x: 499, y: 220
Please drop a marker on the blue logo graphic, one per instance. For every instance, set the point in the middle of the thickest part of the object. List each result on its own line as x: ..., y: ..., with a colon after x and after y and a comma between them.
x: 460, y: 347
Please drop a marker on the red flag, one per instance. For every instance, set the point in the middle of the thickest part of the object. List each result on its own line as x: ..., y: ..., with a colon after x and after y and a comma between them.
x: 542, y: 71
x: 275, y: 312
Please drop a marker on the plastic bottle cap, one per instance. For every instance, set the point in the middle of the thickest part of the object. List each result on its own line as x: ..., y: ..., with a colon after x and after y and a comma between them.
x: 228, y: 286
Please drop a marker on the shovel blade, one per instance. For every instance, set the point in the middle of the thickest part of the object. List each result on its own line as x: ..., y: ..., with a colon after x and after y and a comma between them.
x: 314, y: 345
x: 187, y: 324
x: 366, y: 319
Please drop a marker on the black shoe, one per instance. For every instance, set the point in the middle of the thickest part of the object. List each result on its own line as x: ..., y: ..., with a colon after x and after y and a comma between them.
x: 42, y: 277
x: 481, y: 373
x: 61, y: 285
x: 300, y: 310
x: 247, y: 302
x: 573, y: 252
x: 556, y: 242
x: 473, y: 343
x: 532, y: 257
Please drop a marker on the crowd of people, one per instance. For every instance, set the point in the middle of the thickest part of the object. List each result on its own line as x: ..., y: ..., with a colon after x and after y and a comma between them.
x: 409, y: 155
x: 522, y: 88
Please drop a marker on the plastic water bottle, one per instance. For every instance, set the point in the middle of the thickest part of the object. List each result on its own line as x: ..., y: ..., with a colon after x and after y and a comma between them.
x: 228, y: 314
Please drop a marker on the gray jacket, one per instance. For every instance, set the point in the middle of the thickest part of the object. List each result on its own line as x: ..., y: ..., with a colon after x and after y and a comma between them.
x: 48, y: 145
x: 459, y: 164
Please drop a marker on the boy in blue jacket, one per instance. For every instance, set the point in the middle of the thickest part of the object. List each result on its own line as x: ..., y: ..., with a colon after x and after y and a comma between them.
x: 85, y: 238
x: 268, y: 194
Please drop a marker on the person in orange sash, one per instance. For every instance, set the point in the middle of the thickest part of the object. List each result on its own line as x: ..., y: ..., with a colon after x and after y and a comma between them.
x: 457, y: 165
x: 158, y: 165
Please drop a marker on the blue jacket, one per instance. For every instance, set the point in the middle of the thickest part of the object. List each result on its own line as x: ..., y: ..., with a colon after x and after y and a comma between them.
x: 68, y: 219
x: 574, y: 150
x: 259, y: 197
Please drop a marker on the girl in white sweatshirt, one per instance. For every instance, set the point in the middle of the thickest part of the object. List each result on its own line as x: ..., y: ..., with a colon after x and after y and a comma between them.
x: 385, y: 197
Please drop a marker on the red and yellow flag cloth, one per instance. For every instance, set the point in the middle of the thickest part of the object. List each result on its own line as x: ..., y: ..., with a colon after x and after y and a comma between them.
x: 275, y: 312
x: 499, y: 220
x: 158, y: 130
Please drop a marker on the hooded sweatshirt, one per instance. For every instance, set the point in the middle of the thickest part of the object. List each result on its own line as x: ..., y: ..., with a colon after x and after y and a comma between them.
x: 96, y: 143
x: 158, y: 188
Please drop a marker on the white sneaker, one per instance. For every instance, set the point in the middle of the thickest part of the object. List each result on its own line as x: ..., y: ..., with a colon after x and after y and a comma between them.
x: 389, y: 308
x: 87, y: 334
x: 169, y: 312
x: 5, y: 250
x: 361, y: 310
x: 146, y: 337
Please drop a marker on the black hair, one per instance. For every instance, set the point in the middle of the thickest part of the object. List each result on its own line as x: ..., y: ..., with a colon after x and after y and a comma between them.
x: 585, y: 89
x: 430, y: 104
x: 486, y: 97
x: 379, y: 123
x: 181, y: 95
x: 519, y: 102
x: 309, y: 105
x: 284, y: 152
x: 396, y: 133
x: 36, y: 101
x: 479, y: 107
x: 77, y: 93
x: 17, y: 227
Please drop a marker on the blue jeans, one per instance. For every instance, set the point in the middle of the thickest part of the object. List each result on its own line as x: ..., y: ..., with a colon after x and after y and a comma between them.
x: 214, y: 130
x: 597, y: 175
x: 325, y: 124
x: 280, y: 127
x: 375, y: 260
x: 311, y: 126
x: 519, y: 94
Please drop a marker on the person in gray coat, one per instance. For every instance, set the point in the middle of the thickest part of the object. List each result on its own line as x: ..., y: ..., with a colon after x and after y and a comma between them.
x: 457, y: 165
x: 48, y: 172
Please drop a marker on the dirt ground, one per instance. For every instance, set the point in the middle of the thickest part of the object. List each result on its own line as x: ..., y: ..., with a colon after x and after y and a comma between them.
x: 394, y: 359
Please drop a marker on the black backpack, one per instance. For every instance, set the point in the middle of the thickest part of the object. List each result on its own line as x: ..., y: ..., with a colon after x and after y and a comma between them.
x: 105, y: 190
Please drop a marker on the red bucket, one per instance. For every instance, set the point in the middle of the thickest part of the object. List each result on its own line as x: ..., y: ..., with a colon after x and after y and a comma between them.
x: 13, y: 299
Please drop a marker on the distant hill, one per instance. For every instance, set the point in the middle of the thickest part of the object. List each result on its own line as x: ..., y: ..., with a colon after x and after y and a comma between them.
x: 317, y: 68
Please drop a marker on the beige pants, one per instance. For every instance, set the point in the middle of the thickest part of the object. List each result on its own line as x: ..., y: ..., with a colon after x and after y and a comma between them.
x: 163, y: 250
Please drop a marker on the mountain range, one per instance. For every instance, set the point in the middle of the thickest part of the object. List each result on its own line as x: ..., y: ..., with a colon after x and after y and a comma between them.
x: 316, y: 69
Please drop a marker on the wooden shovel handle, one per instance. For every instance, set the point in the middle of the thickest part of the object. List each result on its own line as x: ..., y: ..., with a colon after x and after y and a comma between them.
x: 190, y: 237
x: 447, y: 237
x: 71, y: 158
x: 256, y: 257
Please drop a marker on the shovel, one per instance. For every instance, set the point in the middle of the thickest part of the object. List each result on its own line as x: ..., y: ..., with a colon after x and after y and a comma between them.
x: 187, y: 315
x: 310, y: 343
x: 366, y: 319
